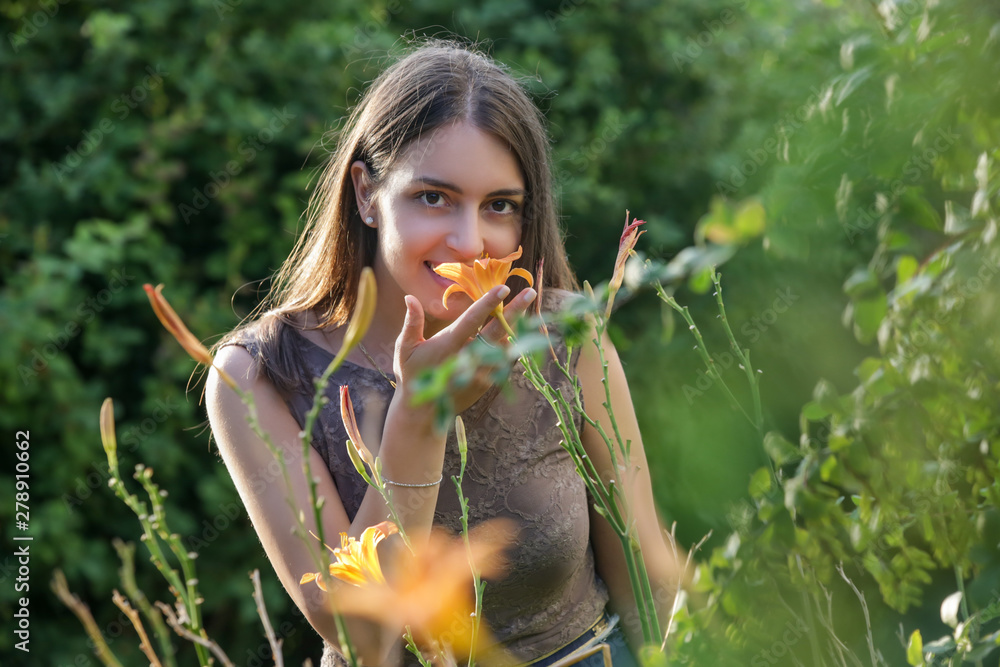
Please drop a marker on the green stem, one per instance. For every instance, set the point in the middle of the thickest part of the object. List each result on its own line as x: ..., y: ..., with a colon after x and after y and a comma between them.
x: 346, y: 647
x: 648, y: 636
x: 648, y: 597
x: 463, y: 448
x: 743, y: 355
x: 192, y: 600
x: 713, y: 372
x: 757, y: 421
x: 151, y: 527
x: 126, y: 552
x: 411, y: 646
x: 605, y: 499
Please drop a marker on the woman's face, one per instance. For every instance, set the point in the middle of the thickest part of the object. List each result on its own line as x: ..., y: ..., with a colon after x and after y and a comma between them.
x: 453, y: 195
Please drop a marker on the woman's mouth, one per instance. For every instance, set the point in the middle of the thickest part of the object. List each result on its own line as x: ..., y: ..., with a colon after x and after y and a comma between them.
x: 439, y: 279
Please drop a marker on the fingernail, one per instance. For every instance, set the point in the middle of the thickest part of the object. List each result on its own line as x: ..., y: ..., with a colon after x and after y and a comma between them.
x: 529, y: 296
x: 503, y: 291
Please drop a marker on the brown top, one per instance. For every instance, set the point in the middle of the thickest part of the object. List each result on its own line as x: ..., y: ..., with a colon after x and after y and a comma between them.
x: 516, y: 469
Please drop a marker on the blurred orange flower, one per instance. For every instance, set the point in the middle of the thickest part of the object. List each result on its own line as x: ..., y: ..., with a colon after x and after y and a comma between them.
x: 429, y: 590
x: 484, y: 274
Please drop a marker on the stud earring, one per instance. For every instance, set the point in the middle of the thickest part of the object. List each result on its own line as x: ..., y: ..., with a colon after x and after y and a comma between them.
x: 370, y: 221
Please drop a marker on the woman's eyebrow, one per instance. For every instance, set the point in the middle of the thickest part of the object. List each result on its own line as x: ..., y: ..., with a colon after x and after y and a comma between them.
x: 438, y: 183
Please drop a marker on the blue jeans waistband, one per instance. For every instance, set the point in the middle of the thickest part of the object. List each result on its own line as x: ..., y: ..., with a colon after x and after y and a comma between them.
x: 593, y: 636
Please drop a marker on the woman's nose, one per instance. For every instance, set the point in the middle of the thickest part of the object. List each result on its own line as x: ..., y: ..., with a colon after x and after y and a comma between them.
x: 466, y: 237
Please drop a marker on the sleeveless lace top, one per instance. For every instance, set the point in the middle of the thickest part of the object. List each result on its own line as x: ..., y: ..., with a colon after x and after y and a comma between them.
x: 516, y: 469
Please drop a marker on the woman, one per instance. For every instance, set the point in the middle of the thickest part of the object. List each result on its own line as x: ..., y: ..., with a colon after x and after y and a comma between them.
x: 445, y: 158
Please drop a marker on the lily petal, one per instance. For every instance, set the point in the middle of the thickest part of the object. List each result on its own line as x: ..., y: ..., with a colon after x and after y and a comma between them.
x: 483, y: 275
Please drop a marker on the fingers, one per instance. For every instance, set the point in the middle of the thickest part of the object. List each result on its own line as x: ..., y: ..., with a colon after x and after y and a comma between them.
x: 494, y: 332
x: 412, y: 332
x: 466, y: 326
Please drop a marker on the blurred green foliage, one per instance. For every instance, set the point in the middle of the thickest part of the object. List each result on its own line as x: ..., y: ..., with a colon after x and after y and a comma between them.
x: 176, y: 142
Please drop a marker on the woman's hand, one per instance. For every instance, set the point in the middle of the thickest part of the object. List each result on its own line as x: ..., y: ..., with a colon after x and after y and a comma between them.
x: 414, y: 353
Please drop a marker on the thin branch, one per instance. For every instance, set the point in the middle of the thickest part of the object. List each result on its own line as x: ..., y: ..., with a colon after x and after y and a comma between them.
x: 258, y: 596
x: 126, y: 552
x: 179, y: 628
x: 864, y: 607
x: 82, y: 612
x: 672, y: 539
x: 133, y: 616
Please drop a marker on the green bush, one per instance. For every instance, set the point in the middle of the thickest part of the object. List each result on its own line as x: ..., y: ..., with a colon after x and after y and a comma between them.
x: 175, y: 143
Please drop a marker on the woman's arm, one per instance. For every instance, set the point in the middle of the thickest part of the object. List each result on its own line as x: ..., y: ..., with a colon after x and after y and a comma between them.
x: 662, y: 566
x: 264, y: 493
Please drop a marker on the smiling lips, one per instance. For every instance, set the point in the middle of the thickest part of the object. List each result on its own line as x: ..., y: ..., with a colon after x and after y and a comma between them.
x: 438, y: 278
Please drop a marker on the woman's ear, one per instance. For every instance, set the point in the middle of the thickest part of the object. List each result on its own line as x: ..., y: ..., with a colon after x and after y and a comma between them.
x: 363, y: 189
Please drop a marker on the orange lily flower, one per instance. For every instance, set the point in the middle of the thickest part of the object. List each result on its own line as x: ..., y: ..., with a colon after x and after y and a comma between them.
x: 356, y: 560
x: 626, y: 249
x: 484, y: 274
x: 430, y: 590
x: 172, y: 323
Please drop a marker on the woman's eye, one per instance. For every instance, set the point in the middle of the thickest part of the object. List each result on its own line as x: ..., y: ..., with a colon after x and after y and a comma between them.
x: 503, y: 206
x: 431, y: 198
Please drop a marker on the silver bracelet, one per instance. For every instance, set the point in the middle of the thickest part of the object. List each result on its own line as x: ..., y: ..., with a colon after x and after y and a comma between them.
x: 414, y: 486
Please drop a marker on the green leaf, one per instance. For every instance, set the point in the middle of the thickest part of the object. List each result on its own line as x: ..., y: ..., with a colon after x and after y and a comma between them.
x: 868, y: 367
x: 826, y: 396
x: 915, y: 650
x: 780, y: 450
x: 829, y: 468
x: 813, y: 411
x: 906, y: 267
x: 716, y: 225
x: 760, y: 482
x: 668, y: 324
x: 700, y: 282
x: 868, y: 316
x: 982, y: 649
x: 861, y: 282
x: 750, y: 219
x: 956, y: 218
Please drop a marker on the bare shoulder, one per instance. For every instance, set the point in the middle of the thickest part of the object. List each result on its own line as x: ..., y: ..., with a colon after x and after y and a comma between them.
x: 226, y: 409
x: 237, y: 361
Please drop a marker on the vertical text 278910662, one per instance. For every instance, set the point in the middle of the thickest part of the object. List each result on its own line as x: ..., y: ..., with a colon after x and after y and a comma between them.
x: 22, y: 516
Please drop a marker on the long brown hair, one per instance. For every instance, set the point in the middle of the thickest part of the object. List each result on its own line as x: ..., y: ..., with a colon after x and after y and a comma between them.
x: 438, y: 83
